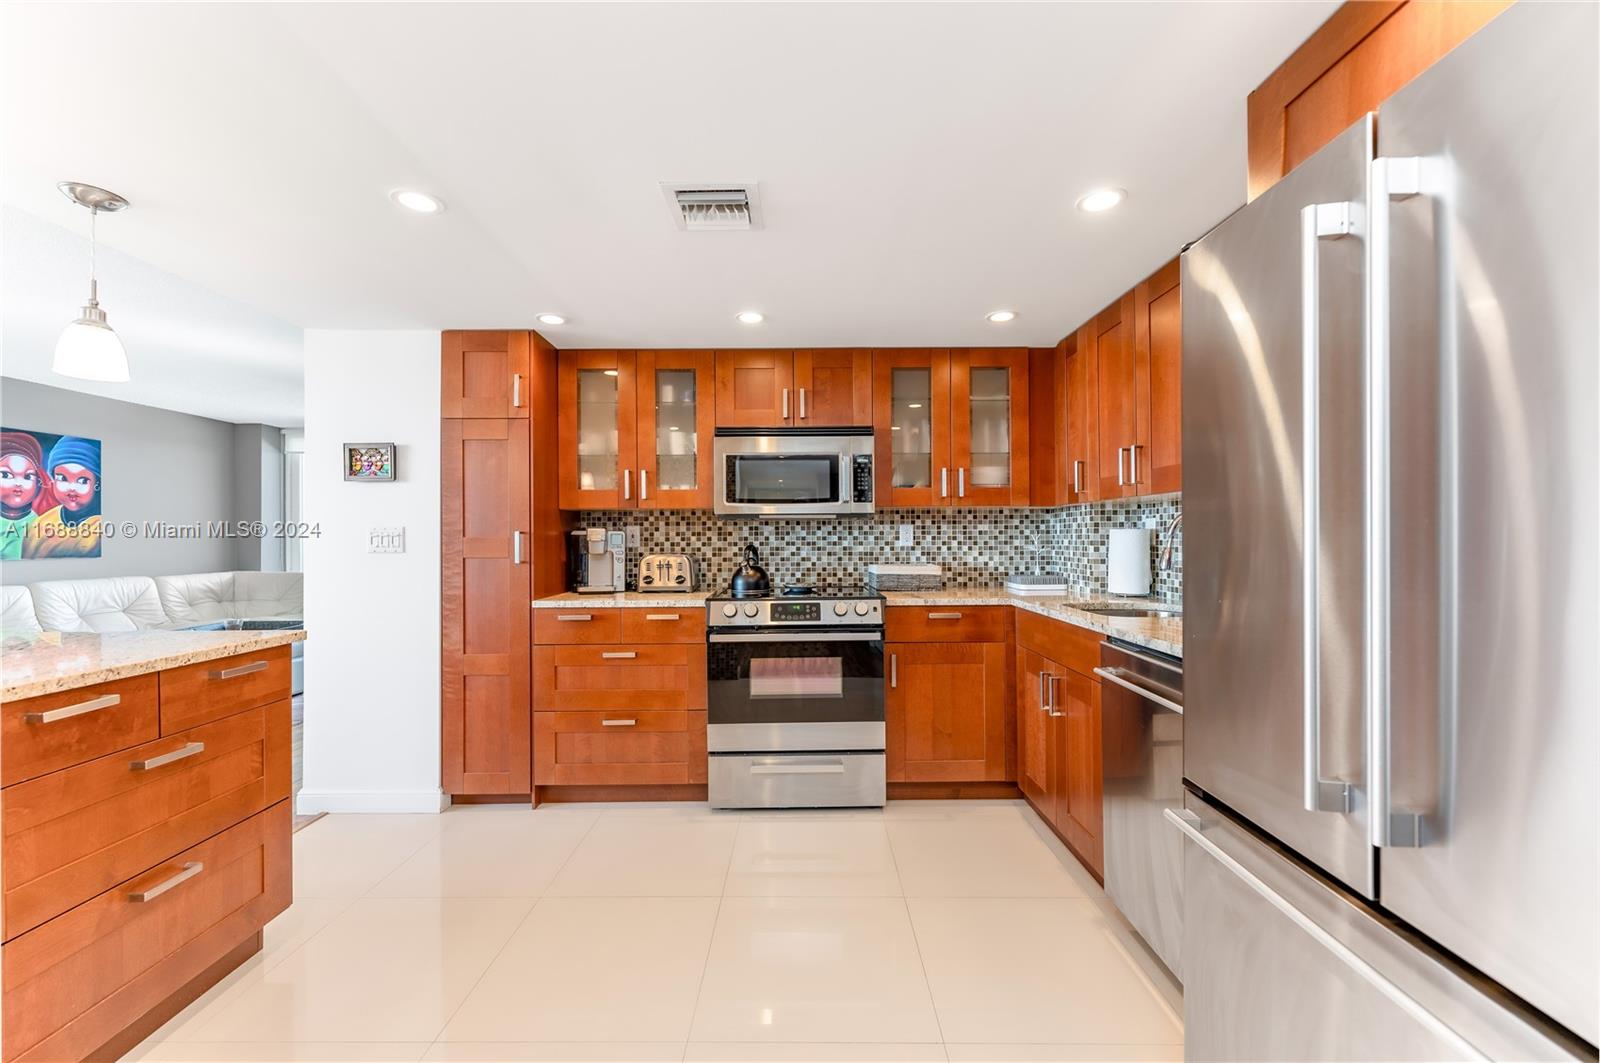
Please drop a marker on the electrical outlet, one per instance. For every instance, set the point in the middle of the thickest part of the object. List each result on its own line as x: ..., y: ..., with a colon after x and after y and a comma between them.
x: 386, y: 540
x: 905, y: 535
x: 633, y: 537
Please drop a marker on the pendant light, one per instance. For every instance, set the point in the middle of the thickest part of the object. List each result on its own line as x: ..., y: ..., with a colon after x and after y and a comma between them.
x: 88, y: 349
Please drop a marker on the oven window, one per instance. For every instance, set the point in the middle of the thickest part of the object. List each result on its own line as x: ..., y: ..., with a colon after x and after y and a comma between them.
x: 788, y: 478
x: 804, y: 681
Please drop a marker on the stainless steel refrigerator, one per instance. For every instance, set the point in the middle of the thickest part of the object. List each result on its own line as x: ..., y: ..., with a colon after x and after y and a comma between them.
x: 1393, y: 577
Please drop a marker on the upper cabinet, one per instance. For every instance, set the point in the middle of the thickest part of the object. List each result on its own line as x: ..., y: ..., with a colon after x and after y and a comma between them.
x: 1350, y: 65
x: 794, y: 389
x: 635, y: 429
x: 951, y: 427
x: 1080, y: 467
x: 484, y: 374
x: 1158, y: 342
x: 1122, y: 405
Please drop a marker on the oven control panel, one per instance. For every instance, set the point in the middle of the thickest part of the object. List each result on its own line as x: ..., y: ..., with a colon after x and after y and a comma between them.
x: 777, y: 611
x: 794, y: 612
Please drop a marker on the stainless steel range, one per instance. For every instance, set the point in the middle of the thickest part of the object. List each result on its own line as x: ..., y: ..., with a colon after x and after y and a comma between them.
x: 795, y: 689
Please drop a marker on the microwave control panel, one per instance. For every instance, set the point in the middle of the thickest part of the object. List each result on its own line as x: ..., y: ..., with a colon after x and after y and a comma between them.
x: 861, y: 477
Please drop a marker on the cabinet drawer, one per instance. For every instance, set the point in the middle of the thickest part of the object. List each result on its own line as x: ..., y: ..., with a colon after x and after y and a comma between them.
x: 78, y: 980
x: 54, y: 731
x: 1078, y: 648
x: 210, y: 690
x: 664, y: 676
x: 577, y: 626
x: 74, y: 833
x: 632, y: 747
x: 664, y: 625
x: 948, y: 623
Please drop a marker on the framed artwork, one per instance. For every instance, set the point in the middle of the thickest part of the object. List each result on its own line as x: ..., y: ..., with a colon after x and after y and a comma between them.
x: 373, y: 462
x: 49, y: 495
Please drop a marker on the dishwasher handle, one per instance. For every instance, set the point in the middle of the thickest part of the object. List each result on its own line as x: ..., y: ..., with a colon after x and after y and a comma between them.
x: 1123, y: 679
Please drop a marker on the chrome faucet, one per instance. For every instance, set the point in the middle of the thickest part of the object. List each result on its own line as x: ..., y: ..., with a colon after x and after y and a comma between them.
x: 1171, y: 536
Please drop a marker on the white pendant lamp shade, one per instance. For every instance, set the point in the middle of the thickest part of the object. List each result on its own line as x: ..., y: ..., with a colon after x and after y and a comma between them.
x: 88, y: 349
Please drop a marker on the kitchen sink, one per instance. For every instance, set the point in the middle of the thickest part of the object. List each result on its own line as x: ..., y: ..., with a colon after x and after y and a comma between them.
x: 1147, y: 612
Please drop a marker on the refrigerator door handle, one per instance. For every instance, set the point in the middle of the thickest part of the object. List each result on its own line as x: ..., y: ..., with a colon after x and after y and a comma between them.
x: 1388, y: 178
x: 1318, y: 221
x: 1192, y: 826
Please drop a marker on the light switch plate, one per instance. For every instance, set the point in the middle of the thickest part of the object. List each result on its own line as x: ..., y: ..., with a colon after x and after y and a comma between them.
x: 386, y: 540
x: 905, y: 535
x: 633, y: 536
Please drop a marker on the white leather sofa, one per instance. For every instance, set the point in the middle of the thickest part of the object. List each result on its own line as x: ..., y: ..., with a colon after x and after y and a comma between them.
x: 135, y: 603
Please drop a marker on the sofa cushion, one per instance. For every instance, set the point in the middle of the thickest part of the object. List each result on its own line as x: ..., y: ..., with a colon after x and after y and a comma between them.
x: 121, y: 603
x: 16, y: 611
x: 208, y: 596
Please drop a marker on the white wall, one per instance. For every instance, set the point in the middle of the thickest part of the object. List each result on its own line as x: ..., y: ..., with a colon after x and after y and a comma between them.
x: 372, y: 620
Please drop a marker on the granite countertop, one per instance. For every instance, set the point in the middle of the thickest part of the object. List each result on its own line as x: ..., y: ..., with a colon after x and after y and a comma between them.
x: 626, y: 600
x: 1164, y: 634
x: 50, y: 661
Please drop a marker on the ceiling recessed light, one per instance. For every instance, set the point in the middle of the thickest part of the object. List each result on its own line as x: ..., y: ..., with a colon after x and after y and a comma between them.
x: 1000, y: 317
x: 420, y: 202
x: 914, y: 405
x: 751, y: 317
x: 552, y: 319
x: 1101, y: 199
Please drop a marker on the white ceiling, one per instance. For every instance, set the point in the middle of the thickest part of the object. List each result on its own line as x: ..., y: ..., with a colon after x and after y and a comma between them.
x: 918, y: 163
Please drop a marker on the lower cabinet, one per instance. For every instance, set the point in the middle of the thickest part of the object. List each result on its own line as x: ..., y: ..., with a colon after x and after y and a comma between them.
x: 619, y: 697
x: 1058, y: 734
x: 948, y: 705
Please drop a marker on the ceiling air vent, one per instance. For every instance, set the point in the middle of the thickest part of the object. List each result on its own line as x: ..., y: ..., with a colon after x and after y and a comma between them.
x: 713, y: 207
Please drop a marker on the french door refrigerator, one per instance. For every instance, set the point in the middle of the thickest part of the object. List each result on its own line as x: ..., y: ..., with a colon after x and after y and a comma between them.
x: 1390, y: 451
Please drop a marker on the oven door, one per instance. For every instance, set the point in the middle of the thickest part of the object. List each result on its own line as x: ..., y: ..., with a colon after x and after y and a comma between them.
x: 794, y: 691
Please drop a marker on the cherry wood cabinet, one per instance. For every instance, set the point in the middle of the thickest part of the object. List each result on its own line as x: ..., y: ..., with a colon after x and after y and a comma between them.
x: 911, y: 427
x: 1081, y: 467
x: 1351, y: 64
x: 989, y: 426
x: 755, y: 389
x: 484, y: 374
x: 1122, y: 402
x: 813, y: 388
x: 946, y: 711
x: 1038, y: 737
x: 635, y: 429
x: 1158, y: 344
x: 1075, y: 701
x: 485, y: 588
x: 636, y: 747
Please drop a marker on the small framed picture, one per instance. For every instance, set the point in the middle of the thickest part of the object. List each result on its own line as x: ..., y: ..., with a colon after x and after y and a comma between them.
x: 372, y: 462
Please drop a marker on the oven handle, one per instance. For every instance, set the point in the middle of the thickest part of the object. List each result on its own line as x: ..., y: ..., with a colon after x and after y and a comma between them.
x: 836, y: 768
x: 800, y: 635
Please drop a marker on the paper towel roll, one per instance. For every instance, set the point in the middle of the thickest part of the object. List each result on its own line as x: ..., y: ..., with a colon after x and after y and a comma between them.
x: 1128, y: 561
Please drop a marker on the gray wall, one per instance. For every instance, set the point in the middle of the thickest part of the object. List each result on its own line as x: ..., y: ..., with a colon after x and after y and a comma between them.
x: 258, y: 492
x: 159, y: 466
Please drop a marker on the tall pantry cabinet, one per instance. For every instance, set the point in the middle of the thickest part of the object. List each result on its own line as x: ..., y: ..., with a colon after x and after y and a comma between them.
x: 501, y: 545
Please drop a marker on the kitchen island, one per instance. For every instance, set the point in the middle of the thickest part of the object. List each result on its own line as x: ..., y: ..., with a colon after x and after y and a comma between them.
x: 144, y: 819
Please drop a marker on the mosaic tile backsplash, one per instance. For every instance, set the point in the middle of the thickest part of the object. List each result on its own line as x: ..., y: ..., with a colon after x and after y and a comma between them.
x: 977, y: 547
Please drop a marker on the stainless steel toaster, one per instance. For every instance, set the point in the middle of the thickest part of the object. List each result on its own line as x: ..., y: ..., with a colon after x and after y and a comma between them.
x: 666, y: 572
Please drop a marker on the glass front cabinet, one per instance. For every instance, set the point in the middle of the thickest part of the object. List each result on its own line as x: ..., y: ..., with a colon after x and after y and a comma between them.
x: 635, y: 429
x: 952, y: 427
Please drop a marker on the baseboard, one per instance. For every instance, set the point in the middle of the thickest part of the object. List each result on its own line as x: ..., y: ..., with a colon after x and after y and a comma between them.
x: 954, y: 791
x: 310, y: 802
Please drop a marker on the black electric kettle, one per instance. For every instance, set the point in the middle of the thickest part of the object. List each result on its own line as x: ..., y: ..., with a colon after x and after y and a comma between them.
x: 750, y: 579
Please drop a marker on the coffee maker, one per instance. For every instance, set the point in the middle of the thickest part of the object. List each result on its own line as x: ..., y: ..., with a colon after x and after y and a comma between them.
x: 596, y: 560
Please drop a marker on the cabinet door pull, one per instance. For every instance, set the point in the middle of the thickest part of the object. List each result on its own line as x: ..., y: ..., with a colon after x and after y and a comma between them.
x: 236, y: 672
x: 516, y: 390
x: 961, y: 482
x: 1133, y: 464
x: 894, y: 670
x: 944, y: 616
x: 618, y: 655
x: 1054, y: 679
x: 944, y: 483
x: 164, y: 759
x: 67, y: 712
x: 1044, y: 692
x: 644, y: 484
x: 1122, y: 477
x: 661, y: 616
x: 618, y: 723
x: 785, y: 404
x: 574, y: 616
x: 627, y: 484
x: 190, y: 870
x: 802, y: 404
x: 1077, y: 477
x: 516, y: 548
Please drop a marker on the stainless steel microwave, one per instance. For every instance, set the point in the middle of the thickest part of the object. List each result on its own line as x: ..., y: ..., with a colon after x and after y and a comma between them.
x: 793, y: 472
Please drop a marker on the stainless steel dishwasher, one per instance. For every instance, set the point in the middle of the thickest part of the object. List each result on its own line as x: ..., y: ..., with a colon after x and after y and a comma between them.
x: 1141, y: 752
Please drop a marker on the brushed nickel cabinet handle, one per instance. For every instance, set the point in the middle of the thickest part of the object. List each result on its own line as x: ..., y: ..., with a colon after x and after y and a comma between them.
x: 618, y: 655
x: 190, y: 870
x: 944, y: 616
x: 1122, y: 476
x: 67, y: 712
x: 627, y: 485
x: 894, y: 670
x: 1077, y: 477
x: 239, y: 670
x: 516, y: 548
x: 802, y: 404
x: 961, y: 482
x: 785, y: 404
x: 574, y: 616
x: 644, y: 484
x: 168, y: 758
x: 1133, y: 464
x: 944, y: 482
x: 618, y: 723
x: 661, y: 616
x: 516, y: 390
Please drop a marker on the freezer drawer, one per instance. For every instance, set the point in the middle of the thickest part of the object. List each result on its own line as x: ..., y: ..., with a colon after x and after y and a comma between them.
x: 796, y: 780
x: 1279, y: 964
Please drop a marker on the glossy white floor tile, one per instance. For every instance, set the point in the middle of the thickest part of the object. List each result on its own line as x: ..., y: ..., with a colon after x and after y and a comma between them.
x: 650, y: 855
x: 816, y: 969
x: 602, y: 933
x: 804, y: 857
x: 1035, y: 971
x: 593, y: 968
x: 386, y: 969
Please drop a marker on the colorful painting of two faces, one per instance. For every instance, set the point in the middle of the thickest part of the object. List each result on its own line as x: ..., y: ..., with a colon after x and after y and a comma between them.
x: 49, y: 495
